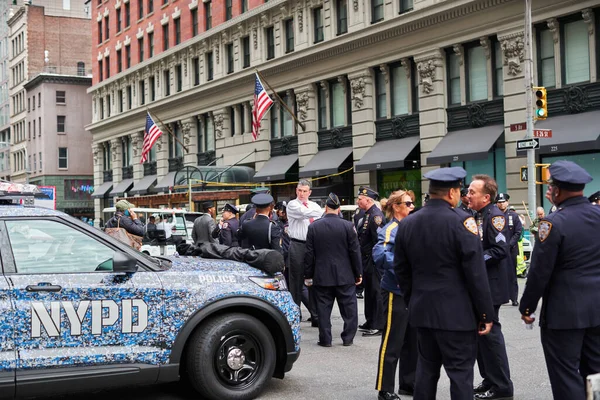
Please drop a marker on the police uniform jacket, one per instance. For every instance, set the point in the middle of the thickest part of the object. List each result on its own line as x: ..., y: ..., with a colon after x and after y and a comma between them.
x: 383, y: 256
x: 565, y: 268
x: 227, y: 233
x: 358, y: 218
x: 367, y: 234
x: 438, y: 260
x: 515, y: 227
x: 285, y: 238
x: 332, y: 256
x: 255, y: 233
x: 494, y: 234
x: 466, y: 209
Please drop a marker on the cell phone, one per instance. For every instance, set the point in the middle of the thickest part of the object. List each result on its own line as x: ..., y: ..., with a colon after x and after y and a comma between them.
x: 482, y: 326
x: 127, y: 213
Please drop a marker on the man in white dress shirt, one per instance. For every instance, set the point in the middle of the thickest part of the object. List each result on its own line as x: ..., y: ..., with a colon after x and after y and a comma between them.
x: 300, y: 212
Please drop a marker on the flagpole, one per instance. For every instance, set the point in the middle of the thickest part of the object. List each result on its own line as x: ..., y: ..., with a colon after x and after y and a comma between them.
x: 262, y: 78
x: 169, y: 131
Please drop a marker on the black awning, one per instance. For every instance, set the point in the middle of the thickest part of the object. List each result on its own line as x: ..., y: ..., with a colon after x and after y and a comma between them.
x: 276, y: 168
x: 325, y: 162
x: 465, y: 145
x: 102, y: 190
x: 122, y: 187
x: 165, y: 183
x: 387, y: 154
x: 143, y: 185
x: 570, y: 133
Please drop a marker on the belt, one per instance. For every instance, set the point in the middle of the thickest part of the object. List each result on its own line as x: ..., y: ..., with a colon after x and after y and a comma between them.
x: 297, y: 240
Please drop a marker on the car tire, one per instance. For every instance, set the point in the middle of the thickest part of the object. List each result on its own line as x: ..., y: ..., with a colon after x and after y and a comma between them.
x: 232, y: 357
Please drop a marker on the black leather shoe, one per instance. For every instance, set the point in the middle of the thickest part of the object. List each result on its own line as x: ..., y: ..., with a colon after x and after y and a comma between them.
x: 406, y: 389
x: 373, y: 332
x: 492, y: 395
x: 324, y: 344
x: 481, y: 388
x: 364, y: 327
x: 515, y: 303
x: 388, y: 396
x: 350, y: 343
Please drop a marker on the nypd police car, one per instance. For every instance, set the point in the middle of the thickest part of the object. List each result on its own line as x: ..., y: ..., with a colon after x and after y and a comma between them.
x: 81, y: 311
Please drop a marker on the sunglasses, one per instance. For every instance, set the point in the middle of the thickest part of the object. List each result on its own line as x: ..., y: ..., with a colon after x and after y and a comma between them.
x: 407, y: 203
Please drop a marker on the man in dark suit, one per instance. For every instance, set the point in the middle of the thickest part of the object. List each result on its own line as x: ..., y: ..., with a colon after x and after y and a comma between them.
x: 438, y: 261
x: 260, y: 232
x: 515, y: 228
x: 493, y: 231
x: 565, y: 271
x: 332, y: 261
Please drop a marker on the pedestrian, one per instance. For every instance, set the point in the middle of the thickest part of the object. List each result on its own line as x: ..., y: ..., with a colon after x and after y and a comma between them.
x: 204, y: 225
x: 493, y: 232
x: 227, y: 228
x: 439, y: 264
x: 261, y: 232
x: 367, y: 237
x: 126, y: 218
x: 151, y: 225
x: 301, y: 212
x: 464, y: 201
x: 282, y: 223
x: 332, y: 261
x: 163, y: 224
x: 358, y: 218
x: 515, y: 229
x: 394, y: 343
x: 565, y: 271
x: 539, y: 215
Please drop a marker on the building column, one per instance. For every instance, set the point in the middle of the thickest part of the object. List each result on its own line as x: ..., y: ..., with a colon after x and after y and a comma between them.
x: 137, y: 142
x: 308, y: 140
x: 162, y: 155
x: 432, y: 105
x: 363, y: 125
x: 116, y: 162
x: 237, y: 113
x: 189, y: 129
x: 97, y: 154
x: 246, y: 114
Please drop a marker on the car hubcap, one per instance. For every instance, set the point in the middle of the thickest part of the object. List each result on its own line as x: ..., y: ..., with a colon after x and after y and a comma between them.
x: 235, y: 358
x: 238, y: 360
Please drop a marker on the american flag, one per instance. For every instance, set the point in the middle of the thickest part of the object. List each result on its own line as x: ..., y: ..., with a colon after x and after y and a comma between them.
x: 262, y: 103
x: 151, y: 135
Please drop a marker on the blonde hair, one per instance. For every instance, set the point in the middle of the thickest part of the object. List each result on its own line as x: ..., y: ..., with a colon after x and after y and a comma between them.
x: 395, y: 198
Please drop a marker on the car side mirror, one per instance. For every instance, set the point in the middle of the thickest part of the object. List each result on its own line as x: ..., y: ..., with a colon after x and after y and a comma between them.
x: 123, y: 262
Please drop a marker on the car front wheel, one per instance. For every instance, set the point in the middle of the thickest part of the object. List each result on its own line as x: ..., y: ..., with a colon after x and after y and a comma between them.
x: 231, y: 357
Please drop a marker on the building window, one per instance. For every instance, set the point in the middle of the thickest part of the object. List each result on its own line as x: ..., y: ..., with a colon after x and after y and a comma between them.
x: 119, y: 61
x: 100, y: 70
x: 228, y: 10
x: 119, y: 20
x: 546, y: 66
x: 194, y: 22
x: 40, y: 126
x: 120, y: 100
x: 576, y: 50
x: 318, y: 18
x: 141, y: 49
x: 165, y: 32
x: 150, y: 6
x: 60, y: 97
x: 166, y: 82
x: 29, y: 104
x: 142, y: 93
x: 229, y: 49
x: 151, y: 44
x: 40, y: 158
x: 151, y: 88
x: 209, y: 134
x: 342, y: 16
x: 377, y: 8
x: 196, y: 62
x: 60, y: 123
x: 127, y: 56
x: 29, y: 131
x: 399, y: 88
x: 289, y: 35
x: 34, y: 128
x: 179, y: 76
x: 126, y: 151
x: 498, y: 71
x: 129, y: 97
x: 101, y: 101
x: 270, y: 34
x: 80, y: 68
x: 244, y: 5
x: 282, y: 123
x: 106, y: 156
x: 406, y: 5
x: 62, y: 158
x: 107, y: 62
x: 453, y: 78
x: 246, y: 50
x: 108, y: 98
x: 338, y: 104
x: 140, y: 9
x: 209, y: 66
x: 127, y: 15
x: 381, y: 93
x: 477, y: 73
x: 99, y: 32
x: 208, y: 15
x: 177, y: 23
x: 415, y: 87
x: 175, y: 147
x: 165, y: 2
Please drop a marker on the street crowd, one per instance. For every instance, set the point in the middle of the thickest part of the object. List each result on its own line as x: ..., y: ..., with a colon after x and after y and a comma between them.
x: 433, y: 278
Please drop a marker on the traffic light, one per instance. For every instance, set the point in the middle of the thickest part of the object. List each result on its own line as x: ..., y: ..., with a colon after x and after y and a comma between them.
x: 541, y: 103
x: 524, y: 174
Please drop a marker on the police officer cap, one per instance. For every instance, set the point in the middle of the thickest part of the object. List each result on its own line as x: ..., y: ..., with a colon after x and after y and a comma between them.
x: 568, y: 176
x: 449, y: 177
x: 333, y: 201
x: 367, y: 191
x: 262, y: 200
x: 464, y: 192
x: 281, y: 205
x: 594, y: 197
x: 502, y: 197
x: 262, y: 189
x: 231, y: 208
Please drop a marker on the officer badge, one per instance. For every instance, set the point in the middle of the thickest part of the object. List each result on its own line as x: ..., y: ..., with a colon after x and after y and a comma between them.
x: 544, y: 230
x: 378, y: 220
x: 471, y: 225
x: 499, y: 222
x: 225, y: 225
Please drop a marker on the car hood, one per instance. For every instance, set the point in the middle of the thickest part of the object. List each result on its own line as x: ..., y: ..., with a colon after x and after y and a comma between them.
x: 212, y: 266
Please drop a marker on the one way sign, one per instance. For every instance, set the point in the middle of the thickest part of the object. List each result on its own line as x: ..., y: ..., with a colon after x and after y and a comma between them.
x: 528, y: 144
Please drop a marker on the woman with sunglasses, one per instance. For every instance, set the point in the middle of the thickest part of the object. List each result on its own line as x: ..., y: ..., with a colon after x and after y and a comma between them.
x: 398, y: 206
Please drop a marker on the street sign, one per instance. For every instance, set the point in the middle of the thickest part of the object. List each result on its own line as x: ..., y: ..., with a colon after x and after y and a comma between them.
x: 528, y: 144
x: 518, y: 127
x: 542, y: 133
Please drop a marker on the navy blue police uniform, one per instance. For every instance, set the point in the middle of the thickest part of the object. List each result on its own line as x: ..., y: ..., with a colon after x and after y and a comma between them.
x: 228, y: 230
x: 595, y: 197
x: 332, y: 260
x: 358, y: 218
x: 367, y: 237
x: 439, y: 264
x: 515, y: 228
x: 463, y: 206
x: 260, y: 232
x: 565, y: 271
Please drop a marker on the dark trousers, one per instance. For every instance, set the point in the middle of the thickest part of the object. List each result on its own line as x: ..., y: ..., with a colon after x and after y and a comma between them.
x: 392, y: 341
x: 347, y: 303
x: 492, y: 359
x: 571, y: 355
x: 372, y: 294
x: 408, y: 357
x: 296, y: 276
x: 513, y: 285
x: 454, y: 350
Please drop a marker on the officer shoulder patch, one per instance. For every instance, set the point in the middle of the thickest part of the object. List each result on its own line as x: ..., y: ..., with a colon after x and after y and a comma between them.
x: 499, y: 222
x: 378, y: 220
x: 225, y: 225
x: 471, y: 225
x: 357, y: 211
x: 544, y: 230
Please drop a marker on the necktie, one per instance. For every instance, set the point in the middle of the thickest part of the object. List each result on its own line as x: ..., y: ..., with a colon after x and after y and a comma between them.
x: 311, y: 220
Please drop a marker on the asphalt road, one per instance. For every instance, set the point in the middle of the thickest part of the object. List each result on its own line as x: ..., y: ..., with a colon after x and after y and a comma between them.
x: 348, y: 373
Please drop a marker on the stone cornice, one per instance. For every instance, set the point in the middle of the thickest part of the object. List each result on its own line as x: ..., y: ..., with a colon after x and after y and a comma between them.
x: 55, y: 78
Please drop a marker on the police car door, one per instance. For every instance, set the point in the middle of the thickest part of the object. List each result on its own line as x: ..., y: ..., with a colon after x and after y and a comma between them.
x: 72, y: 310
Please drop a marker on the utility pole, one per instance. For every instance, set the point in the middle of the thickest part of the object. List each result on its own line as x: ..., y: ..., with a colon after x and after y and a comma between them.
x: 531, y: 186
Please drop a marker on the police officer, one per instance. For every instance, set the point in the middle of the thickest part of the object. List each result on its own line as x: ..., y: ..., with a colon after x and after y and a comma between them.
x: 515, y: 228
x: 332, y: 261
x: 227, y: 228
x: 260, y: 232
x: 358, y: 218
x: 439, y: 264
x: 493, y: 231
x: 464, y: 201
x: 367, y: 237
x: 565, y: 271
x: 282, y: 223
x: 251, y: 212
x: 595, y: 198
